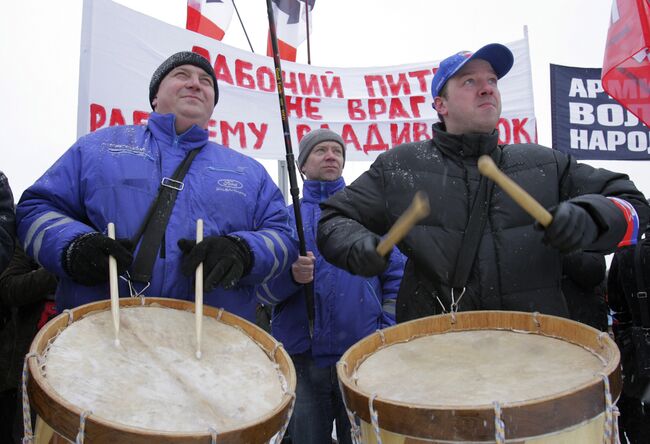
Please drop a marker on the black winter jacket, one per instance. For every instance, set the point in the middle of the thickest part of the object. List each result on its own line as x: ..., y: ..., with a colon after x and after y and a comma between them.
x: 514, y: 270
x: 621, y: 283
x: 24, y: 288
x: 7, y: 222
x: 584, y: 286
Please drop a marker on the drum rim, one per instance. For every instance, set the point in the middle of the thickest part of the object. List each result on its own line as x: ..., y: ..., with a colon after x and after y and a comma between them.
x: 455, y: 422
x: 65, y: 419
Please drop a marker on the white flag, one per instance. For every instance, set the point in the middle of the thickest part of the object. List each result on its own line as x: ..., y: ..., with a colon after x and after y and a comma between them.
x: 209, y: 17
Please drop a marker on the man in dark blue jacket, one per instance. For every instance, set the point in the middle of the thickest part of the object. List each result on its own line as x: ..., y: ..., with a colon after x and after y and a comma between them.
x: 347, y: 307
x: 114, y: 175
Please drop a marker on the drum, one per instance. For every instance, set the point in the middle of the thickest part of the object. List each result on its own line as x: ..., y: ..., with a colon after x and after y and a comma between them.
x: 151, y: 388
x: 484, y: 376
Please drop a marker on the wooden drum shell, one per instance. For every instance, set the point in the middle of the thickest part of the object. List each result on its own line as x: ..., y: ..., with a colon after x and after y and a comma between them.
x: 64, y: 417
x: 475, y: 423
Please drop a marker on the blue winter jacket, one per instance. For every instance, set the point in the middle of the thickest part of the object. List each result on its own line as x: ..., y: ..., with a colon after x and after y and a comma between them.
x: 113, y: 175
x: 347, y: 307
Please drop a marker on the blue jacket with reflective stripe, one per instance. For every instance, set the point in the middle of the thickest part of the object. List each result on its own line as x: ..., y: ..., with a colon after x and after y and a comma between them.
x: 347, y: 307
x: 113, y: 175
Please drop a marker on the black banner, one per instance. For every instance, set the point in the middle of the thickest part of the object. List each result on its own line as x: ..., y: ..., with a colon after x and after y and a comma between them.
x: 588, y: 123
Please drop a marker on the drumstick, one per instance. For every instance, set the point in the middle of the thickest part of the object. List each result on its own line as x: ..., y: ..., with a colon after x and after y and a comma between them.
x: 487, y: 167
x: 418, y: 209
x: 114, y: 291
x: 198, y: 295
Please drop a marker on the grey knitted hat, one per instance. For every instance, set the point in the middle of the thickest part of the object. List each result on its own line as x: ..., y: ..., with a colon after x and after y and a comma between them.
x: 312, y: 139
x: 176, y: 60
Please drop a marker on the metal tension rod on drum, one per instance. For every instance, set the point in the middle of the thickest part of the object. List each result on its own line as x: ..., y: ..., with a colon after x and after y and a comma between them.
x: 487, y: 168
x: 418, y: 210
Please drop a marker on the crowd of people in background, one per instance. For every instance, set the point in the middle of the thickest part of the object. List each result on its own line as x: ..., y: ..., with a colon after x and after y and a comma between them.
x: 477, y: 249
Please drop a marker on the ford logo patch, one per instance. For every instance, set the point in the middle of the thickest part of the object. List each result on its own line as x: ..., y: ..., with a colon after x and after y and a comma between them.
x: 230, y: 183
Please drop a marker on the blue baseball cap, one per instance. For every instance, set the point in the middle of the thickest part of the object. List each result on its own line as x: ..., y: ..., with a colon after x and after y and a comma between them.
x: 497, y: 55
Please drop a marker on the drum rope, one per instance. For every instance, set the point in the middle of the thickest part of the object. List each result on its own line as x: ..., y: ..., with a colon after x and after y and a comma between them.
x: 219, y: 313
x: 374, y: 418
x: 213, y: 434
x: 82, y: 426
x: 499, y: 426
x: 383, y: 338
x: 444, y: 309
x: 28, y: 436
x: 538, y: 324
x: 355, y: 430
x: 278, y: 346
x: 617, y: 413
x: 601, y: 338
x: 609, y: 411
x: 132, y: 291
x: 455, y: 304
x: 283, y: 430
x: 70, y: 315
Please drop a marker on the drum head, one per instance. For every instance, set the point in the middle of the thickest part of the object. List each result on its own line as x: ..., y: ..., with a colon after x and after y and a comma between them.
x: 152, y: 388
x: 439, y: 379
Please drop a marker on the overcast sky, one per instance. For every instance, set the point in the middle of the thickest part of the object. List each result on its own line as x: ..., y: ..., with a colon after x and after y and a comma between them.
x: 40, y: 40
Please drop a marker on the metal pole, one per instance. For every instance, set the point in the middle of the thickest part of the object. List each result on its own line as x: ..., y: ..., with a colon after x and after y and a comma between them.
x: 291, y: 168
x: 307, y: 24
x: 242, y: 26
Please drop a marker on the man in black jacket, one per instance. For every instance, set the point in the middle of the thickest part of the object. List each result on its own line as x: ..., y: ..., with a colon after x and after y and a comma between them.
x: 631, y: 312
x: 7, y: 222
x: 26, y: 303
x: 517, y: 266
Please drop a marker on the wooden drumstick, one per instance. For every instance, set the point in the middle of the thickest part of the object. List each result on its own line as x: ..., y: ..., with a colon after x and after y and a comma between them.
x: 487, y: 167
x: 198, y: 295
x: 418, y: 209
x: 114, y: 290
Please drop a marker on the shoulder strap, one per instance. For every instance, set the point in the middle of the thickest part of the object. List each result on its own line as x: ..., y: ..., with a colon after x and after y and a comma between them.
x: 154, y: 225
x: 641, y: 293
x: 474, y: 229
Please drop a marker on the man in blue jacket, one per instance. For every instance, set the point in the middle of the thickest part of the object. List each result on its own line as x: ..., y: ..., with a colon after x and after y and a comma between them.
x: 347, y: 307
x: 114, y: 175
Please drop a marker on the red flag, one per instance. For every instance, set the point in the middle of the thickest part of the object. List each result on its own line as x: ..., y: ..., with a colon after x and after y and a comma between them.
x: 626, y: 66
x: 290, y: 25
x: 209, y: 17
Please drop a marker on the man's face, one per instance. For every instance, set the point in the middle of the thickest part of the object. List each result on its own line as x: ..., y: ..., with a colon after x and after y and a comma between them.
x: 188, y: 92
x: 325, y: 162
x: 473, y: 102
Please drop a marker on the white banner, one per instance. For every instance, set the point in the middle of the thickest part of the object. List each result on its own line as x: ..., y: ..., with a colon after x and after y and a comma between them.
x: 373, y: 109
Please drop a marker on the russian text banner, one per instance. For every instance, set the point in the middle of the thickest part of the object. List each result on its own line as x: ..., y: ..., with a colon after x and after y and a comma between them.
x: 588, y: 123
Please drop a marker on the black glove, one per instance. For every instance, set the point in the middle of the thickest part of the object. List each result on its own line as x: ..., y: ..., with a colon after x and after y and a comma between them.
x: 363, y: 258
x: 572, y: 228
x: 225, y: 260
x: 86, y: 258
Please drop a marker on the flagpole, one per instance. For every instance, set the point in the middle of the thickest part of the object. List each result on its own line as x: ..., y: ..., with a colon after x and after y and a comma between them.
x: 307, y: 24
x: 242, y: 26
x: 291, y: 164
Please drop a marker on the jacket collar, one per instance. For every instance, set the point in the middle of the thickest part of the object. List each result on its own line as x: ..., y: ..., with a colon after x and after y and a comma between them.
x: 162, y: 126
x: 468, y: 145
x: 317, y: 191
